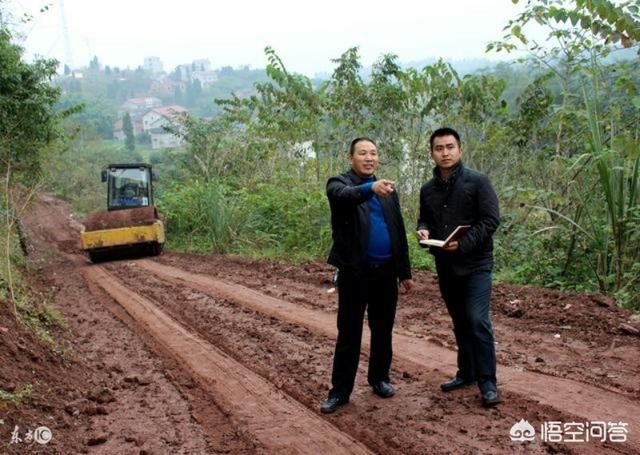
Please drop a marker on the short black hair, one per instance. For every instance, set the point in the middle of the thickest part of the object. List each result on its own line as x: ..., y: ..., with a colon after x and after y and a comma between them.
x: 446, y: 131
x: 352, y: 147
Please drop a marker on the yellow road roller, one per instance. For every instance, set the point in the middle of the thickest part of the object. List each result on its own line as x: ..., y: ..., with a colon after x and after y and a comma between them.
x: 131, y: 225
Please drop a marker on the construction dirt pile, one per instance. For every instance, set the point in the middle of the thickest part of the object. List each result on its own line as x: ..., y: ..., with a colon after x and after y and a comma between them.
x: 139, y: 216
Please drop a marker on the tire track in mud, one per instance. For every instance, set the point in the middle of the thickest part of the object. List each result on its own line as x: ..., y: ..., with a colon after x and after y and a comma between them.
x: 278, y: 422
x: 565, y: 395
x: 297, y: 361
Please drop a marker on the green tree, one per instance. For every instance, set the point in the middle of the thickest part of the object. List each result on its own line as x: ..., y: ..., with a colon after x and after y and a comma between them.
x: 580, y: 33
x: 94, y: 64
x: 129, y: 138
x: 282, y: 118
x: 590, y: 180
x: 346, y: 98
x: 267, y: 146
x: 386, y: 105
x: 177, y: 95
x: 193, y: 92
x: 96, y: 117
x: 28, y: 131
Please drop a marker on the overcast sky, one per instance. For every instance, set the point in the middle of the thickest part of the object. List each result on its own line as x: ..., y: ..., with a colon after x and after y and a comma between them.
x: 305, y: 34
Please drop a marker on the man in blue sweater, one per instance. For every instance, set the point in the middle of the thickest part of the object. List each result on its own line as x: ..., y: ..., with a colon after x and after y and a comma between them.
x: 371, y: 253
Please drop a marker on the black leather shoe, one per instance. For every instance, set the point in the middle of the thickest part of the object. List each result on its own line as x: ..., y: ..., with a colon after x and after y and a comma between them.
x: 383, y: 389
x: 455, y: 383
x: 490, y: 398
x: 331, y: 404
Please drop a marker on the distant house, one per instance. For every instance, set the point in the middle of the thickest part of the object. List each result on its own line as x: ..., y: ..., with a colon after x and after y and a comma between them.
x: 206, y: 78
x: 186, y: 70
x: 136, y: 107
x: 153, y: 65
x: 154, y: 121
x: 203, y: 64
x: 166, y: 87
x: 183, y: 71
x: 155, y: 118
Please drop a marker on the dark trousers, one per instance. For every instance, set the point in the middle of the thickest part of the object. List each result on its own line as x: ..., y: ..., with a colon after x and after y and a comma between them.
x: 377, y: 292
x: 468, y: 300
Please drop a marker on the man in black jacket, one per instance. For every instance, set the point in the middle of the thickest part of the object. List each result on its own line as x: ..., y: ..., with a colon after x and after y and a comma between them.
x: 458, y: 196
x: 371, y: 253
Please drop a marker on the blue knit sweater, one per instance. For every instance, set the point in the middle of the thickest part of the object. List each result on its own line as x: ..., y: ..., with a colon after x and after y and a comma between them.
x: 379, y: 247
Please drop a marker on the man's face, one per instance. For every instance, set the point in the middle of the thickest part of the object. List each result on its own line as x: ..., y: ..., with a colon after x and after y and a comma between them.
x: 446, y: 152
x: 364, y: 160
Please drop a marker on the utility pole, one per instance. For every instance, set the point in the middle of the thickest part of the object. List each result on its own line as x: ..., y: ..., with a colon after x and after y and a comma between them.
x: 65, y: 30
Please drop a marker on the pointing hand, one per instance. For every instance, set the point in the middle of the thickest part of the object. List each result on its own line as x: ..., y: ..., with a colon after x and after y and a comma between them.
x: 382, y: 187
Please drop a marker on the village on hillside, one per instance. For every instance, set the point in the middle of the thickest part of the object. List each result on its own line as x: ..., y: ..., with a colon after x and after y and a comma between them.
x: 149, y: 116
x: 154, y: 107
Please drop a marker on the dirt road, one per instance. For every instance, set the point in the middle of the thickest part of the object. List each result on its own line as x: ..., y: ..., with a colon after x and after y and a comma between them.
x: 246, y: 346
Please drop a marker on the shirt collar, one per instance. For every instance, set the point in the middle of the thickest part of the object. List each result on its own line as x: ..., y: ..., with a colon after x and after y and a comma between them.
x: 455, y: 172
x: 360, y: 180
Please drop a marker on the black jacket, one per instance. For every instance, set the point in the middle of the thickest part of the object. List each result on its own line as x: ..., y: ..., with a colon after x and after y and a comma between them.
x: 467, y: 197
x: 350, y: 226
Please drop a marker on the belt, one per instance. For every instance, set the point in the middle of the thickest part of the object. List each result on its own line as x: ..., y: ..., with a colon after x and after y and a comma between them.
x: 379, y: 266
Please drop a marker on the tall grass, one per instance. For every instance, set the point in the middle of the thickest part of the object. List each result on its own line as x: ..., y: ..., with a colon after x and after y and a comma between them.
x: 287, y: 220
x: 616, y: 241
x: 607, y: 209
x: 201, y: 217
x: 267, y: 220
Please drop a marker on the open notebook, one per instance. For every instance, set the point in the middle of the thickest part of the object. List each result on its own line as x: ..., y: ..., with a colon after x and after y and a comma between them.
x: 455, y: 235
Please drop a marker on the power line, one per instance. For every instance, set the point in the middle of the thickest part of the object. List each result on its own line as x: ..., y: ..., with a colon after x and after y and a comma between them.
x: 65, y: 30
